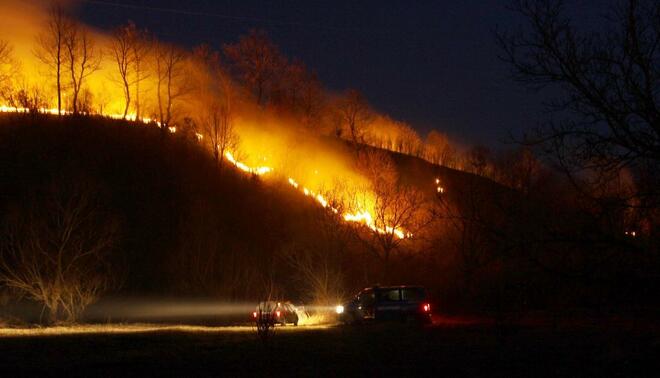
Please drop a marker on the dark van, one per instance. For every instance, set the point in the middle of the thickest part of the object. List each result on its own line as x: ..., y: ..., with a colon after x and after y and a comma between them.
x: 398, y: 303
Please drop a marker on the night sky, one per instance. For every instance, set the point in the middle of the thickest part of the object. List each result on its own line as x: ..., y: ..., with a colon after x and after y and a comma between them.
x: 433, y: 64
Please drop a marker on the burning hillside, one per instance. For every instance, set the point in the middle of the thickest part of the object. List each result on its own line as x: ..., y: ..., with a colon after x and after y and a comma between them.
x: 269, y: 122
x: 248, y: 106
x: 227, y: 174
x: 361, y: 216
x: 128, y: 74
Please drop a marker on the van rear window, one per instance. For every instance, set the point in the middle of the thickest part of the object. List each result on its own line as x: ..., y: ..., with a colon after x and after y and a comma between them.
x: 413, y: 294
x: 389, y: 295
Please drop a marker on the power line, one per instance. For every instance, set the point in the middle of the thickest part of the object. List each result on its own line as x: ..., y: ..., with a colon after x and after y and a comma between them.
x: 228, y: 17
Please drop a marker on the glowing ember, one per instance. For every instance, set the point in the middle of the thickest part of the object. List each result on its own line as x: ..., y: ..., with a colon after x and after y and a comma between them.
x: 438, y: 187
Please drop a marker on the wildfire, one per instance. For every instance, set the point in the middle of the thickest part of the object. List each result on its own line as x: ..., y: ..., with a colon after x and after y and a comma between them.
x: 362, y: 216
x: 318, y: 197
x: 54, y: 111
x: 243, y: 167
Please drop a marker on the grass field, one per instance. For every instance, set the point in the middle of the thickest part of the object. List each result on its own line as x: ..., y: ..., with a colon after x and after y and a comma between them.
x: 372, y: 350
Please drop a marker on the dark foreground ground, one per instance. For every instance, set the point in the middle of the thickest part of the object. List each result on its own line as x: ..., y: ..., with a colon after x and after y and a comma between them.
x: 373, y: 350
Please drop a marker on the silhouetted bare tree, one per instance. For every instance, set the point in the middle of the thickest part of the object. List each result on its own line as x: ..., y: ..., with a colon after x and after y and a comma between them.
x: 518, y: 169
x: 258, y: 63
x: 610, y: 103
x: 171, y: 81
x: 467, y: 226
x: 5, y: 62
x: 316, y: 259
x: 399, y: 211
x: 354, y: 115
x: 82, y: 58
x: 51, y: 47
x: 408, y: 142
x: 215, y: 94
x: 141, y: 49
x: 28, y: 96
x: 302, y: 94
x: 54, y: 250
x: 129, y: 48
x: 478, y: 160
x: 312, y: 102
x: 121, y: 48
x: 439, y: 150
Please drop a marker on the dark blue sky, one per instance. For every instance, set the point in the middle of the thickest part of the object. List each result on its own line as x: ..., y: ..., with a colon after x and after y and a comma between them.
x: 431, y: 63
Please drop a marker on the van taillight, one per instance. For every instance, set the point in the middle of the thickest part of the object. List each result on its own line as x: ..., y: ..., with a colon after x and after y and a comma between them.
x: 426, y: 307
x: 254, y: 314
x: 278, y: 314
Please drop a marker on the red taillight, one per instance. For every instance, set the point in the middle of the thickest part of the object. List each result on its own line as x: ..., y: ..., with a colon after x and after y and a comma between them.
x: 254, y: 314
x: 277, y: 313
x: 427, y: 307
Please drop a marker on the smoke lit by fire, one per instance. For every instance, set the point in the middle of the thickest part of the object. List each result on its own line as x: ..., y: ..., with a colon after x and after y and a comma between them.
x: 267, y: 145
x: 361, y: 216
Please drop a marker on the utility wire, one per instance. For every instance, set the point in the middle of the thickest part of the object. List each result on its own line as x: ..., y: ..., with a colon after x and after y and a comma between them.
x: 230, y: 17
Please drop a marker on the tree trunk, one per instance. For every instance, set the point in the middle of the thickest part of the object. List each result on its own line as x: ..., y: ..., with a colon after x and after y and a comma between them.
x: 137, y: 99
x: 59, y: 87
x: 128, y: 98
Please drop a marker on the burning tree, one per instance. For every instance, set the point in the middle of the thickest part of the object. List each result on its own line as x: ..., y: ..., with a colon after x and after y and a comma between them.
x: 55, y: 250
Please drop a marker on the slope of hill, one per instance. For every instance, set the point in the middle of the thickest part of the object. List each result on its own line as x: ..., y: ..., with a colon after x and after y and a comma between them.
x: 186, y: 226
x: 170, y: 200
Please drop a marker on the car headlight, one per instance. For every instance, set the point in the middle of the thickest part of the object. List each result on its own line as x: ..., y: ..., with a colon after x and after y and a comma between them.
x: 339, y: 309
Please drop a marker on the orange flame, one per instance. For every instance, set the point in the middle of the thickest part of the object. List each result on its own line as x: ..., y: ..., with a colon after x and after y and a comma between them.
x: 363, y: 216
x: 243, y: 167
